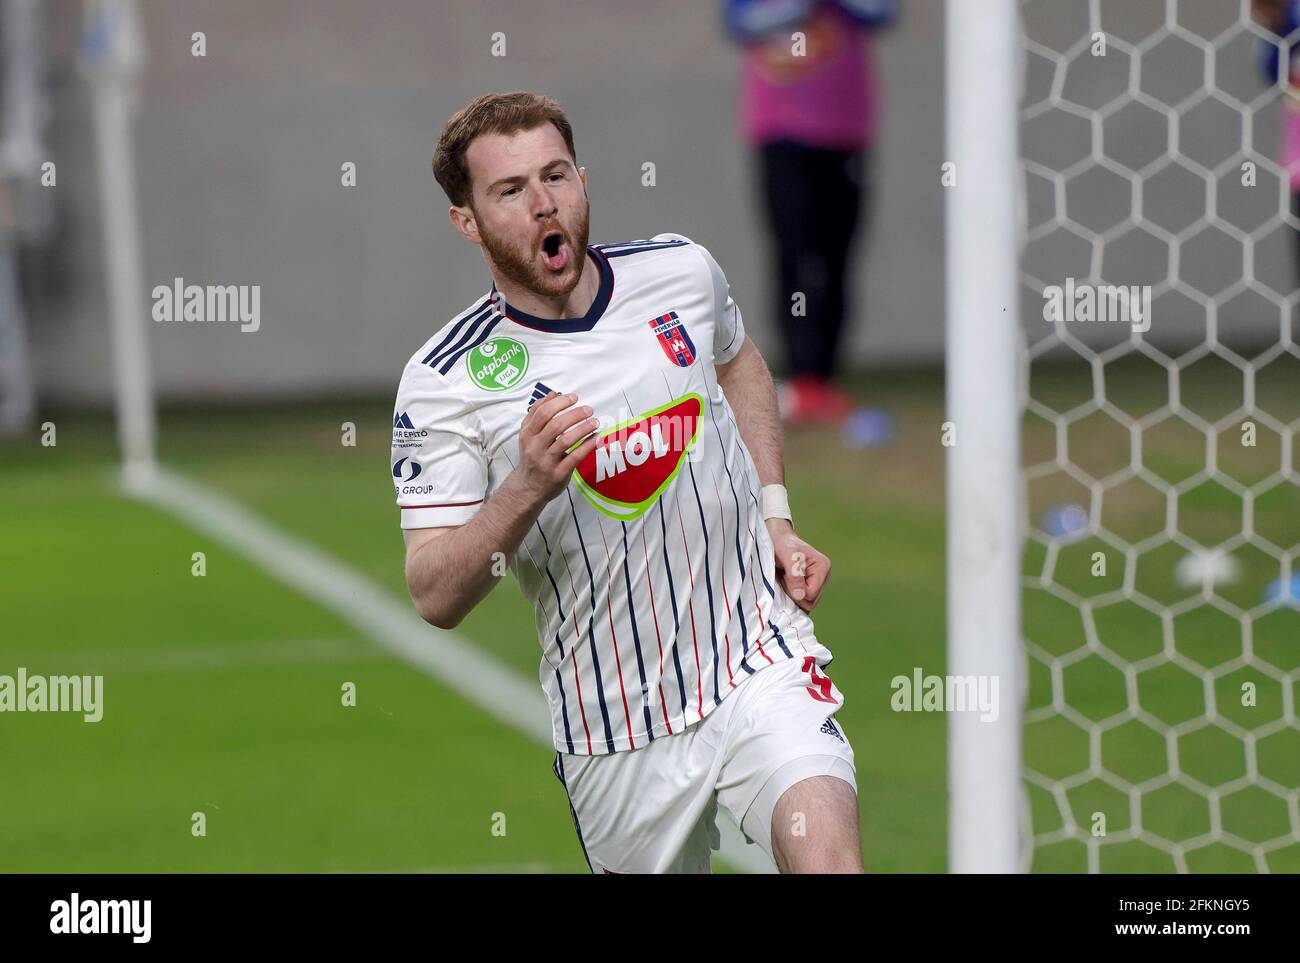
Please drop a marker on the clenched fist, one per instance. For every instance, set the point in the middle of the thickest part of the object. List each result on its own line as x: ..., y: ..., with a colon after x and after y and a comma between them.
x: 551, y: 428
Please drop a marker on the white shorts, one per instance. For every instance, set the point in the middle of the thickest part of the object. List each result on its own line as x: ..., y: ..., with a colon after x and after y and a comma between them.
x: 654, y: 809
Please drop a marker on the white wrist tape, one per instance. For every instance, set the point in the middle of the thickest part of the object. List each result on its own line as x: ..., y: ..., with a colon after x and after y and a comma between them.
x: 775, y: 502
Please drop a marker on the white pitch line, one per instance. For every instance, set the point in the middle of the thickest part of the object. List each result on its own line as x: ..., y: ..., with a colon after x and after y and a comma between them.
x: 475, y: 675
x: 190, y: 658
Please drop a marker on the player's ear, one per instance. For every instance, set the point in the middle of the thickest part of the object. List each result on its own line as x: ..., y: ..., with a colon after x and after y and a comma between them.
x: 463, y: 220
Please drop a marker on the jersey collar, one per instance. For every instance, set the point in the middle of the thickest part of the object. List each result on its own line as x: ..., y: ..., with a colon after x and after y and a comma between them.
x: 565, y: 325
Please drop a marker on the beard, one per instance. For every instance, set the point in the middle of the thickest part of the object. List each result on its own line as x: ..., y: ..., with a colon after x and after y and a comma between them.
x: 521, y: 264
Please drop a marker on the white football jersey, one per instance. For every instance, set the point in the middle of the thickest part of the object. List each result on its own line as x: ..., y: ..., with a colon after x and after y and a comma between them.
x: 651, y: 576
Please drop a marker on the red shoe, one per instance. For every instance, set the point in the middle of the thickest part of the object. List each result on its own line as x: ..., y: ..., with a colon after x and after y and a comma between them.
x: 809, y: 400
x: 836, y: 403
x: 795, y: 399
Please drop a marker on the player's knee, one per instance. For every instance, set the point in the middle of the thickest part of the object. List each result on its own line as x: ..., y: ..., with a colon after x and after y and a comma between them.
x: 843, y: 861
x: 833, y: 856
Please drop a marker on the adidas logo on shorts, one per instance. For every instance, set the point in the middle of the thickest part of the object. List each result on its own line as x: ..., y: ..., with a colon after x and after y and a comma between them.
x: 828, y: 727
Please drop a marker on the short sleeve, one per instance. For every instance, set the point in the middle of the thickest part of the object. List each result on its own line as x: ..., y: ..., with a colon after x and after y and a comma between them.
x: 440, y: 471
x: 728, y: 325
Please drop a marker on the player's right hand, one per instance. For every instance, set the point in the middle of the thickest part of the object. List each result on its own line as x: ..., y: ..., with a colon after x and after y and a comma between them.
x: 551, y: 427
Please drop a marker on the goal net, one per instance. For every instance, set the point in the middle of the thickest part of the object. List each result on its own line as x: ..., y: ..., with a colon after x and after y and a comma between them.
x: 1159, y: 280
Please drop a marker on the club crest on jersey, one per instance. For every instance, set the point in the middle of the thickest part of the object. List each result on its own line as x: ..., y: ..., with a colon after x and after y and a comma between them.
x: 634, y: 462
x: 672, y: 336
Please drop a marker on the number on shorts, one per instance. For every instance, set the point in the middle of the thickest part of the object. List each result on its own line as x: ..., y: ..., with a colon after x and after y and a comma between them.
x: 822, y: 683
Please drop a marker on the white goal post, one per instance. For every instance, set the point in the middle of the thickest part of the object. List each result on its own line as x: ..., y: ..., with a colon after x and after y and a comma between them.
x: 983, y: 419
x: 112, y: 56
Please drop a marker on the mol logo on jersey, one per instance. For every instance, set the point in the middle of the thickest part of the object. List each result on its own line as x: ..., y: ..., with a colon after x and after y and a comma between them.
x: 670, y: 331
x: 635, y: 461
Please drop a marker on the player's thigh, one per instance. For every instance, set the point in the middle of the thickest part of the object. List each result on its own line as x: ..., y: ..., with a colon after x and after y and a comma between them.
x: 646, y: 810
x: 815, y: 826
x: 784, y: 733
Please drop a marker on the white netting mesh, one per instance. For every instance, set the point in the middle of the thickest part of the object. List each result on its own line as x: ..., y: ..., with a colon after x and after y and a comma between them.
x: 1162, y: 492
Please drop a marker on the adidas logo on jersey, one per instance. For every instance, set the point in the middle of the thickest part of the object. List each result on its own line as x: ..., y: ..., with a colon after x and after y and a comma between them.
x: 830, y: 729
x: 635, y: 461
x: 540, y: 391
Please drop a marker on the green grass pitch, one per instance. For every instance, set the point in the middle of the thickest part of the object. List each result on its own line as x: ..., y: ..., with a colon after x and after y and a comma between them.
x: 223, y: 692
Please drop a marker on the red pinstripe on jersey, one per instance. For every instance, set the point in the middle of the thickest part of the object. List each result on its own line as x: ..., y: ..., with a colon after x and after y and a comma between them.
x: 573, y: 656
x: 658, y: 636
x: 758, y: 613
x: 613, y: 633
x: 726, y: 636
x: 699, y: 675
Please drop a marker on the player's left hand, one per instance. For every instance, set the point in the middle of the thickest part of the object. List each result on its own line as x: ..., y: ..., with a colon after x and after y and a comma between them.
x: 802, y: 570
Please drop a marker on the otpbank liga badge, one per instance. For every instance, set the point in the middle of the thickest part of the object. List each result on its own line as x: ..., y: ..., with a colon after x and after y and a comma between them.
x: 677, y: 344
x: 497, y: 364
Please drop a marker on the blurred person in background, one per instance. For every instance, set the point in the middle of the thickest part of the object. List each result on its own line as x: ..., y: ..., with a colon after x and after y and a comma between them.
x: 1283, y: 18
x: 809, y: 108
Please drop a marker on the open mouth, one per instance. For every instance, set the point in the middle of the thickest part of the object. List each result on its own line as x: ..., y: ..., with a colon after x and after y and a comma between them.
x: 554, y: 251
